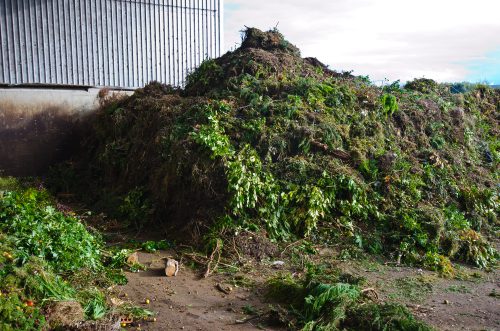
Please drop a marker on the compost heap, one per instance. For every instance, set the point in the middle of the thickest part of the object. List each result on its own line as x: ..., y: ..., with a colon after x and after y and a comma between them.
x: 263, y: 139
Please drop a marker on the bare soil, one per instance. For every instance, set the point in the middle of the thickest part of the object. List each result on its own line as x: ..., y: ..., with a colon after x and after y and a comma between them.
x: 446, y: 304
x: 470, y: 301
x: 189, y: 302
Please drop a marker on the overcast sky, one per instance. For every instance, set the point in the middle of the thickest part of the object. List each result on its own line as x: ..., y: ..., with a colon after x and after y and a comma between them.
x: 395, y: 39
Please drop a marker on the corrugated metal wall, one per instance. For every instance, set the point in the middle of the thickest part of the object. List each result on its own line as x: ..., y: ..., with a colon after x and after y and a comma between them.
x: 114, y: 43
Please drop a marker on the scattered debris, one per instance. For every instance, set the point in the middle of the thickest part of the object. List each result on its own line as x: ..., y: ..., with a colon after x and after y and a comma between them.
x: 117, y: 302
x: 224, y: 289
x: 126, y: 320
x: 171, y: 268
x: 370, y: 293
x: 133, y: 259
x: 278, y: 264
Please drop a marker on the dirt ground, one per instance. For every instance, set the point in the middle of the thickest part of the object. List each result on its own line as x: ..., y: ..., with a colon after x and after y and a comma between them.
x: 446, y: 304
x: 470, y: 301
x: 188, y: 302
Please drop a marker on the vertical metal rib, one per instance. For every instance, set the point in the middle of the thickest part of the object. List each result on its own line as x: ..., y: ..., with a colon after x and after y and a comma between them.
x: 163, y: 44
x: 135, y: 45
x: 93, y: 51
x: 60, y: 39
x: 120, y: 44
x: 20, y: 41
x: 37, y: 45
x: 198, y: 38
x: 78, y: 43
x: 186, y: 42
x: 52, y: 43
x: 13, y: 43
x: 189, y: 37
x: 205, y: 30
x: 85, y: 46
x: 175, y: 60
x: 169, y: 47
x: 111, y: 34
x: 73, y: 43
x: 152, y: 28
x: 183, y: 41
x: 102, y: 43
x: 2, y: 45
x: 210, y: 29
x: 142, y: 57
x: 154, y: 59
x: 125, y: 42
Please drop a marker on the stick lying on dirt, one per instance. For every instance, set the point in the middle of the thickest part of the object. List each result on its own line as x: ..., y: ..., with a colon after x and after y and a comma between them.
x: 216, y: 250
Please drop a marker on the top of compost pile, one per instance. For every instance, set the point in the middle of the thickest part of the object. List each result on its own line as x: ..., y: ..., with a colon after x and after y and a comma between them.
x: 269, y: 41
x: 263, y: 139
x: 262, y: 54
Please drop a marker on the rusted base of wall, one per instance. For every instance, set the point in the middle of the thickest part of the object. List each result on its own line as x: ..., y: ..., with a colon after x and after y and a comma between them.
x: 40, y: 127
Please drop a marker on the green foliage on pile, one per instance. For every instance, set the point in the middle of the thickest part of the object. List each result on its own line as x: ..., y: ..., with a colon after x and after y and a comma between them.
x: 39, y: 230
x: 46, y: 255
x: 262, y: 139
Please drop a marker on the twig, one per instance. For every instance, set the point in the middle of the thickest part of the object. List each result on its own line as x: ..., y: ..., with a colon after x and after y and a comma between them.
x: 196, y: 257
x: 216, y: 250
x: 290, y: 245
x: 222, y: 289
x: 236, y: 250
x: 246, y: 320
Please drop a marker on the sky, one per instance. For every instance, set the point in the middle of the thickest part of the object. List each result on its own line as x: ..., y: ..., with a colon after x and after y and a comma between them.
x: 445, y: 40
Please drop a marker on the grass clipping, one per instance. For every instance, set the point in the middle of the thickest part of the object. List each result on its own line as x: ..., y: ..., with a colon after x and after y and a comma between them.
x: 313, y: 305
x: 261, y: 138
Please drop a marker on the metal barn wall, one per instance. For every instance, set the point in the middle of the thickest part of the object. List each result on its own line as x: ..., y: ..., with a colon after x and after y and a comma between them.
x: 113, y: 43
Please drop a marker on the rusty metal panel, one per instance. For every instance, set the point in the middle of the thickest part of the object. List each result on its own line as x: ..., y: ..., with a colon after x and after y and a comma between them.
x: 113, y: 43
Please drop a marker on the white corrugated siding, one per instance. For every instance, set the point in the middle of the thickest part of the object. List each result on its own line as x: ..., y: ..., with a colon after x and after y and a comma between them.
x: 114, y: 43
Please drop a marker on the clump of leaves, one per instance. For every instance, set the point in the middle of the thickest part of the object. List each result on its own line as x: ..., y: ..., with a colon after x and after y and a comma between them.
x: 325, y: 305
x: 336, y: 306
x: 423, y: 85
x: 440, y: 263
x: 386, y: 317
x: 207, y: 73
x: 95, y: 306
x: 38, y: 229
x: 153, y: 246
x: 475, y: 249
x: 41, y: 251
x: 389, y: 104
x: 135, y: 207
x: 284, y: 288
x: 137, y: 312
x: 16, y: 315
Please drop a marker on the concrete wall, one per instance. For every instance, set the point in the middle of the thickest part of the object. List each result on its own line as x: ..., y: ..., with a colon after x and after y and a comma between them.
x: 40, y: 126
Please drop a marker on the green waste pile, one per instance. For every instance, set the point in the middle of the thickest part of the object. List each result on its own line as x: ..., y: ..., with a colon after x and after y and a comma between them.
x: 265, y: 140
x: 54, y: 272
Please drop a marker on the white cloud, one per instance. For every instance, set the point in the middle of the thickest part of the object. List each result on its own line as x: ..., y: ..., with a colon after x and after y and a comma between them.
x: 394, y: 39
